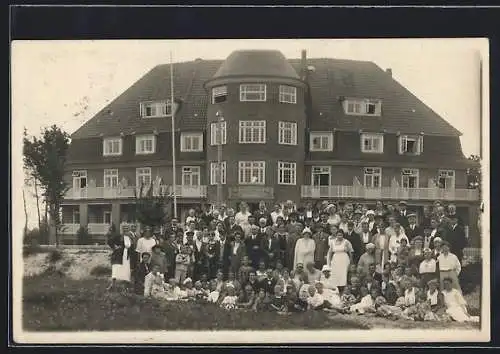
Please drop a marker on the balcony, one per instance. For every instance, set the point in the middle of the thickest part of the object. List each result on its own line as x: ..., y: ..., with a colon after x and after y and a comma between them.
x: 251, y: 192
x: 130, y: 192
x: 69, y: 229
x: 361, y: 192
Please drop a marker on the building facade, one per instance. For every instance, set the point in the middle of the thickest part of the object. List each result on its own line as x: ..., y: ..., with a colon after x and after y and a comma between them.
x: 301, y: 130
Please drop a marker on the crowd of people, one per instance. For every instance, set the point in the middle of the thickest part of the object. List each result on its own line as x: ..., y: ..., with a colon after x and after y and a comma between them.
x: 338, y: 258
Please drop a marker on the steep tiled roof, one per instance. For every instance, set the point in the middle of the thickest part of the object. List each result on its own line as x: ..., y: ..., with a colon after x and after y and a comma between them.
x: 331, y: 79
x: 256, y: 63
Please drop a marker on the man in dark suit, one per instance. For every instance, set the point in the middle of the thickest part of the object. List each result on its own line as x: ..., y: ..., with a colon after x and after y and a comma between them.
x: 456, y: 237
x: 253, y: 246
x: 355, y: 240
x: 379, y: 226
x: 170, y: 249
x: 238, y: 250
x: 402, y: 218
x: 199, y: 256
x: 270, y: 249
x: 452, y: 212
x: 172, y: 228
x: 413, y: 230
x: 224, y: 253
x: 262, y: 212
x: 232, y: 227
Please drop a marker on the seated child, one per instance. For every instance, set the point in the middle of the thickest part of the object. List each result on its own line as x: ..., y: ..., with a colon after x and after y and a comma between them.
x: 291, y: 299
x: 456, y: 306
x: 435, y: 297
x: 347, y: 299
x: 200, y: 293
x: 231, y: 281
x: 244, y: 271
x: 410, y: 293
x: 389, y: 289
x: 213, y: 296
x: 352, y: 272
x: 400, y: 301
x: 331, y: 296
x: 261, y: 271
x: 142, y: 270
x: 278, y: 301
x: 229, y: 301
x: 364, y: 304
x: 355, y: 287
x: 172, y: 291
x: 315, y: 301
x: 303, y: 295
x: 189, y: 290
x: 261, y: 302
x: 246, y: 298
x: 154, y: 283
x: 388, y: 311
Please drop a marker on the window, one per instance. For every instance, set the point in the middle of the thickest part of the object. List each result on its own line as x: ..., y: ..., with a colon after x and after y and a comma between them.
x: 446, y: 179
x: 79, y: 179
x: 145, y: 144
x: 191, y: 142
x: 112, y: 146
x: 219, y: 94
x: 321, y: 142
x: 287, y: 134
x: 156, y: 109
x: 107, y: 217
x: 373, y: 143
x: 214, y: 172
x: 143, y: 176
x: 253, y: 92
x: 252, y: 172
x: 409, y: 178
x: 288, y: 94
x: 362, y: 107
x: 286, y: 172
x: 191, y: 176
x: 76, y: 216
x: 321, y: 176
x: 216, y: 130
x: 111, y: 178
x: 252, y: 131
x: 373, y: 177
x: 411, y: 144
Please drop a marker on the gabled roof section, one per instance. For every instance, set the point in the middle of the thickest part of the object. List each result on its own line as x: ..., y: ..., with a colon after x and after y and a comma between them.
x: 256, y: 63
x: 402, y: 112
x: 330, y: 80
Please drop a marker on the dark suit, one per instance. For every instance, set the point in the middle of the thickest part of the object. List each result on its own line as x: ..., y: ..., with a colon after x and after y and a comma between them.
x: 263, y: 214
x: 223, y: 258
x: 270, y: 252
x: 458, y: 241
x: 142, y: 270
x: 357, y: 246
x: 212, y: 252
x: 402, y: 218
x: 236, y: 256
x: 170, y: 250
x: 290, y: 251
x: 199, y: 259
x: 417, y: 231
x: 232, y: 230
x: 268, y: 285
x: 254, y: 249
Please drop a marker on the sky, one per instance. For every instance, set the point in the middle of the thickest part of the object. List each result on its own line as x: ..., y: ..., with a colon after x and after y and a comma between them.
x: 67, y: 82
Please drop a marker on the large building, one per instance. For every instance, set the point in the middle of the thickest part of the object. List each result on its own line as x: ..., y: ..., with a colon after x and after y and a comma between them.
x: 300, y: 129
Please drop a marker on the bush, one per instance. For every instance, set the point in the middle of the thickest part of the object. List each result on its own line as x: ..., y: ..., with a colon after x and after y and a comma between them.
x: 83, y: 236
x: 54, y: 256
x: 471, y: 277
x: 37, y: 236
x: 100, y: 271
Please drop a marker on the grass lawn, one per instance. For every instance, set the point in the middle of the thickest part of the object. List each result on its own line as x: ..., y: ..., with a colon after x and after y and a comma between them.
x: 57, y: 303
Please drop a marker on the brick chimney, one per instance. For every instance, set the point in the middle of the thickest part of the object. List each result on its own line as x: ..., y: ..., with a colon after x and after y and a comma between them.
x: 389, y: 72
x: 303, y: 65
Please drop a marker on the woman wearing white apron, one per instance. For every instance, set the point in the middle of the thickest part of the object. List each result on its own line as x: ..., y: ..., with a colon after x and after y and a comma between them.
x: 338, y: 259
x: 120, y: 259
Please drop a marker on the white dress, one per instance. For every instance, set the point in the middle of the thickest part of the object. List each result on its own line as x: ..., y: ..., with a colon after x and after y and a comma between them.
x: 340, y: 261
x: 122, y: 271
x: 304, y: 251
x: 456, y: 306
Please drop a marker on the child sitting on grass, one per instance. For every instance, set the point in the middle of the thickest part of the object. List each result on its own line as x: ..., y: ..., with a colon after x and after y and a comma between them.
x: 246, y: 298
x: 403, y: 252
x: 172, y: 290
x: 261, y: 271
x: 346, y: 300
x: 229, y: 301
x: 315, y: 301
x: 278, y: 301
x: 261, y: 302
x: 364, y: 304
x: 200, y: 294
x: 244, y: 271
x: 189, y: 290
x: 154, y: 283
x: 213, y: 296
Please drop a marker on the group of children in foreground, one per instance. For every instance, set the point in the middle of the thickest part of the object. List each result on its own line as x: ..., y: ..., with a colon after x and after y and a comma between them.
x: 386, y: 295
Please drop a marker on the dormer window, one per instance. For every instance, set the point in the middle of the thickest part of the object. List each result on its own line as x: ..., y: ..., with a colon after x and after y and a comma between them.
x: 112, y: 147
x: 362, y: 107
x: 372, y: 143
x: 219, y: 94
x: 411, y: 144
x: 156, y: 109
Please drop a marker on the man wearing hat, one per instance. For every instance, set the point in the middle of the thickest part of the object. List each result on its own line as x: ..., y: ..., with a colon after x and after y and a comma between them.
x: 321, y: 240
x: 253, y: 245
x: 355, y: 241
x: 370, y: 218
x: 326, y: 278
x: 412, y: 230
x: 379, y: 225
x: 403, y: 214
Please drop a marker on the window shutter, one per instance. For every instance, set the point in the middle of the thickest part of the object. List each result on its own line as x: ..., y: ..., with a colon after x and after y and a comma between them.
x: 141, y: 109
x: 378, y: 108
x: 421, y: 144
x: 402, y: 144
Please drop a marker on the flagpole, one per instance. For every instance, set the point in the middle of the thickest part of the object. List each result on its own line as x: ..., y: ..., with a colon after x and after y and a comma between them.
x: 173, y: 109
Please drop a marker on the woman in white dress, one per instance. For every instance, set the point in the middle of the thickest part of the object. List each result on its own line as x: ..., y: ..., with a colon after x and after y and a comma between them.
x: 120, y: 258
x: 241, y: 217
x: 304, y: 248
x: 456, y: 306
x: 333, y: 216
x: 339, y: 257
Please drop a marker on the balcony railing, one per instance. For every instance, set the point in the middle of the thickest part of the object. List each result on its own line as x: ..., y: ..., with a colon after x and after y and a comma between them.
x: 69, y: 229
x: 98, y: 229
x: 130, y: 192
x: 251, y: 192
x: 389, y: 193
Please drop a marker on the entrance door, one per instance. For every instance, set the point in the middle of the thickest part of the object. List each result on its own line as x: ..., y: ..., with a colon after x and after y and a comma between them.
x: 79, y: 183
x: 191, y: 181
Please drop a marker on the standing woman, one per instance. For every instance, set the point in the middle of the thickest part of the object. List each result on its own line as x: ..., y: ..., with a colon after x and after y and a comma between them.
x: 449, y: 267
x: 120, y: 257
x: 338, y: 259
x: 333, y: 216
x: 416, y: 254
x: 241, y: 217
x: 304, y: 249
